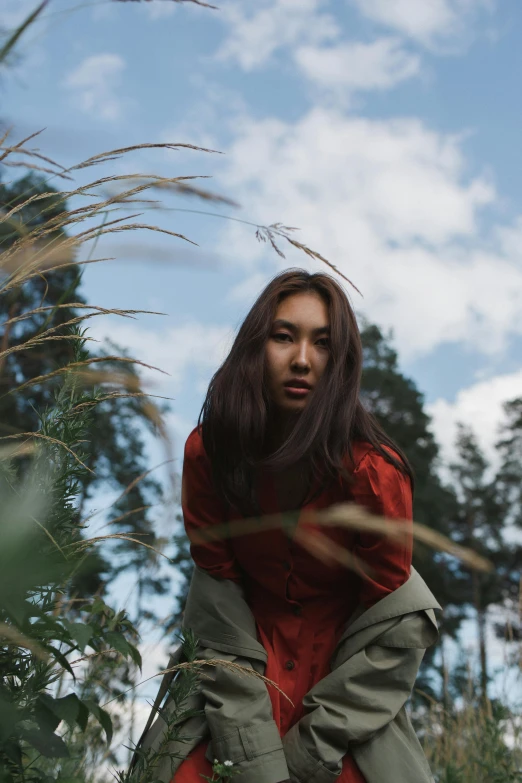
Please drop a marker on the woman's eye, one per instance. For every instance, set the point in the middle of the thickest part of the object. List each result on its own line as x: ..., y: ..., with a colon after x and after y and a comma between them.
x: 324, y: 342
x: 282, y: 336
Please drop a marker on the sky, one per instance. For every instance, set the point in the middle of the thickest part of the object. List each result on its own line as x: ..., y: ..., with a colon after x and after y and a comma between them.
x: 387, y: 131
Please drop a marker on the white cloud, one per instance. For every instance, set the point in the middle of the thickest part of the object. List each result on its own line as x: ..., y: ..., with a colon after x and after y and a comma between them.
x: 478, y: 406
x: 95, y: 84
x: 257, y: 30
x: 358, y: 66
x: 174, y: 349
x: 424, y: 20
x: 392, y: 204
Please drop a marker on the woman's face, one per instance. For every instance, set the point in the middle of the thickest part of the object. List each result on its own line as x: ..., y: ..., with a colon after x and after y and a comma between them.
x: 297, y: 350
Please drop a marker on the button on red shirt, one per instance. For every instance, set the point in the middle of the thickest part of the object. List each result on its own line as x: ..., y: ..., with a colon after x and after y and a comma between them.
x: 300, y: 602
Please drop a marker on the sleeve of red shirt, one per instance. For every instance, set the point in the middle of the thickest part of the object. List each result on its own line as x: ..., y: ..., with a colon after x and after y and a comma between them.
x: 385, y: 491
x: 202, y: 508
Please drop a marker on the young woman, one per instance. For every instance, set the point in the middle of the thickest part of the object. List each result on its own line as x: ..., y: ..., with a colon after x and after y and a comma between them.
x: 282, y: 429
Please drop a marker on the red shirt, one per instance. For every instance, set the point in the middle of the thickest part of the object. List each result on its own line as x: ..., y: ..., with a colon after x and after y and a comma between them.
x: 301, y: 603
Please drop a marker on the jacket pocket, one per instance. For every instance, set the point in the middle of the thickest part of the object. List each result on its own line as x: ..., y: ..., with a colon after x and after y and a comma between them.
x: 247, y: 743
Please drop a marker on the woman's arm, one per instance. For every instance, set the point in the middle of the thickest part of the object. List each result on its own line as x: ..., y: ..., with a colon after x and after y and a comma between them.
x: 357, y: 699
x: 237, y: 705
x: 384, y: 491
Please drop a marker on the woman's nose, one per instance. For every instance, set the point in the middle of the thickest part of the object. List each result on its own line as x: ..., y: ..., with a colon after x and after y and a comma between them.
x: 301, y: 358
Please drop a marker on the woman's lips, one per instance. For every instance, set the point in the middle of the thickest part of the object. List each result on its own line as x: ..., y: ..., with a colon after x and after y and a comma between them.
x: 297, y: 391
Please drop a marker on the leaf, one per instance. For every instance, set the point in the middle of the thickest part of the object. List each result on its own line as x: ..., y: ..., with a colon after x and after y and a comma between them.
x: 103, y: 718
x: 135, y: 655
x: 44, y: 715
x: 67, y: 708
x: 9, y: 717
x: 98, y: 606
x: 80, y: 632
x: 60, y: 657
x: 13, y: 751
x: 47, y: 743
x: 83, y: 715
x: 119, y: 642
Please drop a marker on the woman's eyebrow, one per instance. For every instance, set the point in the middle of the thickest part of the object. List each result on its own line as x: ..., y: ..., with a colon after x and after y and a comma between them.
x: 280, y: 322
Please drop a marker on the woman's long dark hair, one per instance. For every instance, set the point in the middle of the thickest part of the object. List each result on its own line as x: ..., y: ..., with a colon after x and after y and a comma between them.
x: 236, y: 410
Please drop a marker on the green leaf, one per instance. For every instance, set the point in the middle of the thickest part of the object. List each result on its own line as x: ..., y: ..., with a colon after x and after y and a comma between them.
x: 135, y: 655
x: 47, y: 743
x: 83, y: 715
x: 13, y: 751
x: 103, y: 718
x: 44, y: 715
x: 97, y: 607
x: 80, y: 632
x: 9, y: 717
x: 119, y: 642
x: 67, y: 708
x: 60, y: 657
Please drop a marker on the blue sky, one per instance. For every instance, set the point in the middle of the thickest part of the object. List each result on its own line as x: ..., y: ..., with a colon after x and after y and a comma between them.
x: 388, y: 131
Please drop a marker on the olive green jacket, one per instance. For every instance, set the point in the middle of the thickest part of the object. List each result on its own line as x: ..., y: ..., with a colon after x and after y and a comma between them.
x: 358, y: 707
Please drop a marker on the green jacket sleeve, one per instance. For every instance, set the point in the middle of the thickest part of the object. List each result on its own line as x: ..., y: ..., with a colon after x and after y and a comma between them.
x: 357, y: 699
x: 239, y: 716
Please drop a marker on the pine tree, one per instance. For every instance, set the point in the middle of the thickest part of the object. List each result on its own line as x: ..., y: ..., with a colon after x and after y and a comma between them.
x: 398, y: 405
x: 480, y: 525
x: 508, y: 485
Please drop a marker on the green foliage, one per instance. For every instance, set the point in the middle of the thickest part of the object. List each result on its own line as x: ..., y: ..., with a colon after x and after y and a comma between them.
x: 222, y: 772
x: 41, y: 549
x: 176, y: 710
x: 467, y: 743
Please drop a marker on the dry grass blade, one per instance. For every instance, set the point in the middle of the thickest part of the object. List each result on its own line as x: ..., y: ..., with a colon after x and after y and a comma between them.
x: 35, y: 167
x: 103, y: 157
x: 268, y: 234
x: 139, y: 226
x: 16, y: 450
x: 94, y: 655
x: 79, y: 306
x: 203, y: 194
x: 128, y: 514
x: 35, y: 341
x: 351, y: 516
x: 329, y: 552
x: 49, y: 440
x: 139, y: 478
x: 87, y: 542
x: 5, y: 137
x: 47, y: 334
x: 73, y: 365
x: 17, y: 638
x: 20, y: 30
x: 126, y: 490
x: 114, y: 396
x: 34, y: 154
x: 230, y: 665
x: 319, y: 257
x: 41, y: 255
x: 28, y: 275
